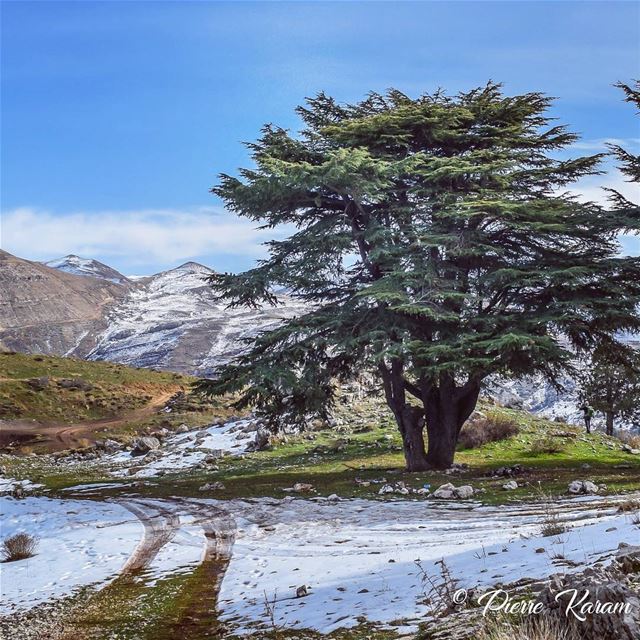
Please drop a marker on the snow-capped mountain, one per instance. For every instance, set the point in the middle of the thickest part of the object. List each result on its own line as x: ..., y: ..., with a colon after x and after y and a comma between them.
x: 171, y: 321
x: 87, y: 267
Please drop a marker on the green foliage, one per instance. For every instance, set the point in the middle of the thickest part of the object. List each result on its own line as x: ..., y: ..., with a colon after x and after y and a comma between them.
x: 610, y: 382
x: 435, y: 244
x: 629, y: 163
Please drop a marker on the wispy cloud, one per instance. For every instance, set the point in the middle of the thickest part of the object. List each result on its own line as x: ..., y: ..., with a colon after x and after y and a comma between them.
x: 135, y: 237
x: 601, y: 144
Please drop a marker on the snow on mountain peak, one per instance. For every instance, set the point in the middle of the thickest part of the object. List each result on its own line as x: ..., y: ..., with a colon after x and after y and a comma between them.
x: 87, y: 267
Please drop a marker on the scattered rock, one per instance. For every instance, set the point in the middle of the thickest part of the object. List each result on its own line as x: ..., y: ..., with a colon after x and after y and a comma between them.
x: 75, y: 383
x: 212, y: 486
x: 595, y: 587
x: 143, y: 445
x: 510, y: 486
x: 300, y: 487
x: 629, y: 449
x: 508, y: 472
x: 38, y: 384
x: 582, y: 487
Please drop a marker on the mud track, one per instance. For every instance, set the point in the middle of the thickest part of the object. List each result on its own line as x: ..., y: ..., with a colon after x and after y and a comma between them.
x: 68, y: 436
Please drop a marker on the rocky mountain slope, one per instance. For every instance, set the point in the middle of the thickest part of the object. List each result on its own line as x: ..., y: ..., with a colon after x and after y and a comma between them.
x: 87, y: 267
x: 46, y: 310
x: 171, y: 321
x: 81, y: 307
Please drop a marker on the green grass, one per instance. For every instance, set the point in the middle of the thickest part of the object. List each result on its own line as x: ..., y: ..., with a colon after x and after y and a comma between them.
x: 369, y: 449
x: 112, y: 392
x: 115, y: 389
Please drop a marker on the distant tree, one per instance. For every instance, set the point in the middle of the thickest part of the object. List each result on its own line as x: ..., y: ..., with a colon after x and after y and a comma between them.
x: 435, y: 246
x: 610, y: 383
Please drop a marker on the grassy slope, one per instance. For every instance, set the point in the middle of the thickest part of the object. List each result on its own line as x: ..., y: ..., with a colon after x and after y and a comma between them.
x: 112, y: 391
x: 367, y: 447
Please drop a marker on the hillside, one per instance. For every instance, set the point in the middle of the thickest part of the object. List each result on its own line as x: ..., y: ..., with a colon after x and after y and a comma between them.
x: 45, y: 310
x: 51, y: 402
x: 82, y: 307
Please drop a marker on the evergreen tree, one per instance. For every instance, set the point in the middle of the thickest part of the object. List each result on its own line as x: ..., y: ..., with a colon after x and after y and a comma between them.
x: 434, y: 245
x: 629, y: 164
x: 610, y: 383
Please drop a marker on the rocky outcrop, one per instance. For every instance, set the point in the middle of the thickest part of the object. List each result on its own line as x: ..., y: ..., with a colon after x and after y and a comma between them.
x: 598, y: 604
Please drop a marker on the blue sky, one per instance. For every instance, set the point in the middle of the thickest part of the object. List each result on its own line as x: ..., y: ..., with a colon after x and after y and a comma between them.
x: 117, y: 116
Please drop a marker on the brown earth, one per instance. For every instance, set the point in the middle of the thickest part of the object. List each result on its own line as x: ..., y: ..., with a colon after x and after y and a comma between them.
x: 58, y: 436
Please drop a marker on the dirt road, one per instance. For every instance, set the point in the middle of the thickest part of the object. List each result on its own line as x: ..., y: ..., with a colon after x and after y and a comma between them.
x: 67, y: 436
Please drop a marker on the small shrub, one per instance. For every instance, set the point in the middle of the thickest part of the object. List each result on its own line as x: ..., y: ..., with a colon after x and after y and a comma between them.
x: 533, y: 628
x: 632, y: 439
x: 629, y: 506
x: 552, y: 525
x: 18, y: 547
x: 547, y: 444
x: 492, y: 428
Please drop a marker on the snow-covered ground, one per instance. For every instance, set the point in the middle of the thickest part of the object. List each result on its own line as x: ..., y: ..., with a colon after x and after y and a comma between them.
x: 9, y: 485
x: 184, y: 451
x: 81, y: 542
x: 359, y: 557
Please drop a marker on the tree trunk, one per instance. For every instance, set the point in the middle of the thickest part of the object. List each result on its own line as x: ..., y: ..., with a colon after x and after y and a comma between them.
x: 447, y: 409
x: 411, y: 425
x: 609, y: 419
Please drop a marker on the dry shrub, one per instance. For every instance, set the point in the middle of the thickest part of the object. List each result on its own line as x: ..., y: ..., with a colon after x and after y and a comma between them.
x: 632, y: 439
x: 630, y: 505
x: 548, y: 444
x: 18, y: 547
x: 538, y: 628
x: 491, y: 428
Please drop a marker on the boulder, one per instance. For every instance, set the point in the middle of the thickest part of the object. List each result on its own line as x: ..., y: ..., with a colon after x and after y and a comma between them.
x: 605, y: 599
x: 510, y: 486
x: 445, y: 492
x: 38, y: 384
x: 261, y: 441
x: 111, y: 446
x: 449, y: 492
x: 582, y: 487
x: 143, y: 445
x: 464, y: 492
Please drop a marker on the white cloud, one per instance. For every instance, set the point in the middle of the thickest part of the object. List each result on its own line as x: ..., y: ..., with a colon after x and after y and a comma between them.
x: 166, y: 236
x: 601, y: 144
x: 591, y: 189
x: 139, y: 237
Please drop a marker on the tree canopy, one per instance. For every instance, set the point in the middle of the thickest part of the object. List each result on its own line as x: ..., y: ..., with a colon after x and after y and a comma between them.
x: 436, y: 244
